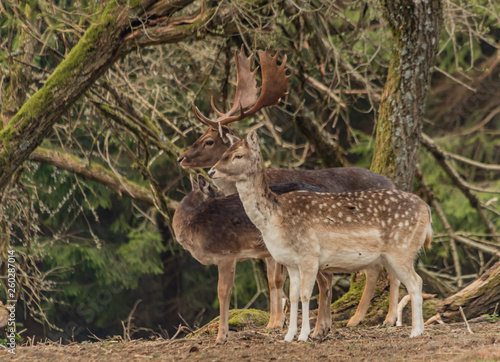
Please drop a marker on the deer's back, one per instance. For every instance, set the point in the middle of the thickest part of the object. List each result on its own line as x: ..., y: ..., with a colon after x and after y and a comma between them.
x: 220, y: 227
x: 341, y: 179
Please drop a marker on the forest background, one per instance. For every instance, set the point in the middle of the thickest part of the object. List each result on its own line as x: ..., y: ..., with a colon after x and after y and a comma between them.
x: 101, y: 145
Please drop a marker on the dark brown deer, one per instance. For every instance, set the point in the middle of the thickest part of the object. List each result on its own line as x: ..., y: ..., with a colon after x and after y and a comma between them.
x: 330, y: 232
x: 215, y: 230
x: 210, y: 147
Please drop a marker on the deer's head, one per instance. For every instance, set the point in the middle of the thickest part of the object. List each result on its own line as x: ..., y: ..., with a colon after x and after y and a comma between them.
x: 207, y: 150
x: 210, y: 147
x: 243, y: 158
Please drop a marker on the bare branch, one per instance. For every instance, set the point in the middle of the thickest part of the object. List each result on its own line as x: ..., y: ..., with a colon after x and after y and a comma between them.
x: 96, y: 173
x: 440, y: 157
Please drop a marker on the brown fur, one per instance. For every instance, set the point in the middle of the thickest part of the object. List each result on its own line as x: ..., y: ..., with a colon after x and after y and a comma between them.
x: 206, y: 150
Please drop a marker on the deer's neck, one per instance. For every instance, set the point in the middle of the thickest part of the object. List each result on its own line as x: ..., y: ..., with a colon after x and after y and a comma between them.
x: 227, y: 187
x: 260, y: 203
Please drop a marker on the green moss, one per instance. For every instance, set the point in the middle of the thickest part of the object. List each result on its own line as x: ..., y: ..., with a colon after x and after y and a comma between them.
x: 150, y: 124
x: 239, y: 318
x: 429, y: 308
x: 64, y: 73
x: 352, y: 297
x: 384, y: 159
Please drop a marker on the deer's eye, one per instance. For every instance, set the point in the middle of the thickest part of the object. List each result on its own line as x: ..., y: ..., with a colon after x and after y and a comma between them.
x: 209, y: 143
x: 238, y: 156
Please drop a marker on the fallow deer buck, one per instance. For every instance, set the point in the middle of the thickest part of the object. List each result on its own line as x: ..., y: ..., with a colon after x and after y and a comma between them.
x: 334, y: 233
x: 210, y: 147
x: 216, y: 230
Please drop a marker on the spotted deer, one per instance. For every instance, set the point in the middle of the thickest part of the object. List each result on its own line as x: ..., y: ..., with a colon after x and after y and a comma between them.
x: 334, y: 233
x: 216, y: 230
x: 210, y: 147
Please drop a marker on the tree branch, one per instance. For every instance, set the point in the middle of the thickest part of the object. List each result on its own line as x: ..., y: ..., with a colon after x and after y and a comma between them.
x: 444, y: 220
x: 468, y: 161
x: 118, y: 29
x: 440, y: 157
x: 96, y: 173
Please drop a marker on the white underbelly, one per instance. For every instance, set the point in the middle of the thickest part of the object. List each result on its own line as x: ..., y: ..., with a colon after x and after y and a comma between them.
x: 347, y: 253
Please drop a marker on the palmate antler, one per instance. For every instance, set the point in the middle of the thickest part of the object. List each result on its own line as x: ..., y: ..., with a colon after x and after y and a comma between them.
x: 274, y: 85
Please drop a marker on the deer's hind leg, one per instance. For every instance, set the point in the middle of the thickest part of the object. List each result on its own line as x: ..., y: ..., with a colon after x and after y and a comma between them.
x: 372, y: 273
x: 392, y: 313
x: 324, y: 319
x: 404, y: 271
x: 226, y: 280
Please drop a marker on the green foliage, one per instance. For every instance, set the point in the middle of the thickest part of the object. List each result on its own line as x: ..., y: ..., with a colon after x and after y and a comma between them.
x: 492, y: 318
x: 17, y: 338
x: 142, y: 253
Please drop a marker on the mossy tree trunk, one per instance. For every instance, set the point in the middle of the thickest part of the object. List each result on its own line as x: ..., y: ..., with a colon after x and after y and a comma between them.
x: 415, y: 28
x: 119, y: 28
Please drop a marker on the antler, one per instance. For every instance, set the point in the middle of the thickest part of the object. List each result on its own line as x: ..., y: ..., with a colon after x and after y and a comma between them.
x: 274, y: 85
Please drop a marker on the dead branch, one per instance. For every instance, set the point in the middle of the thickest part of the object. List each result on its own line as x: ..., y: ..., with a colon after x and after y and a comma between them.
x: 434, y: 319
x: 465, y: 320
x: 440, y: 157
x: 484, y: 166
x: 444, y: 220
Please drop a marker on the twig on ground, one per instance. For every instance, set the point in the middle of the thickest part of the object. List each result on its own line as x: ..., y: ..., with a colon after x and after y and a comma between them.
x: 126, y: 330
x: 93, y: 335
x: 179, y: 330
x: 163, y: 332
x: 402, y: 304
x: 465, y: 320
x: 186, y: 323
x: 434, y: 319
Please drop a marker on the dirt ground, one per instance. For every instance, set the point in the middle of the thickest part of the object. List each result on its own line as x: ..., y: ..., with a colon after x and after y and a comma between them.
x: 438, y: 343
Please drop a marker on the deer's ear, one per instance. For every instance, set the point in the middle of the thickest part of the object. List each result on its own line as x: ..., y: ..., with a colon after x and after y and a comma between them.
x: 202, y: 182
x: 227, y: 135
x: 194, y: 183
x: 205, y: 186
x: 232, y: 139
x: 253, y: 140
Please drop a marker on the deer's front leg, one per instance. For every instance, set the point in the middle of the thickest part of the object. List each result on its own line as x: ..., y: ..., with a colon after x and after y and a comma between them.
x: 276, y: 274
x: 294, y: 275
x: 324, y: 319
x: 224, y: 287
x: 308, y: 273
